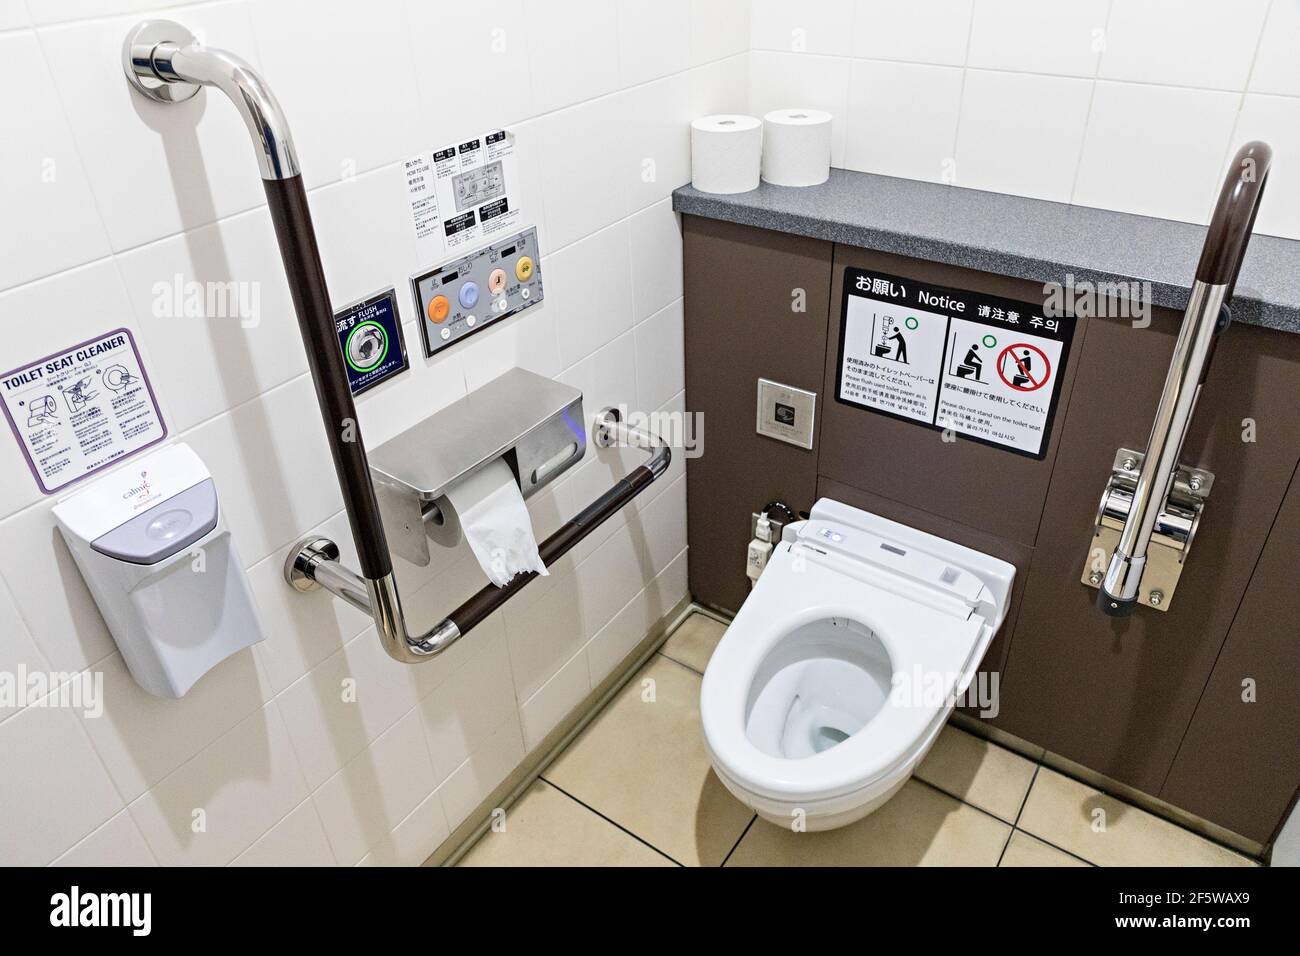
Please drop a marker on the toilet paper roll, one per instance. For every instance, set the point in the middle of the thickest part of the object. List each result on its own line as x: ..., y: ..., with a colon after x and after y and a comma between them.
x: 796, y: 147
x: 489, y: 511
x: 726, y: 151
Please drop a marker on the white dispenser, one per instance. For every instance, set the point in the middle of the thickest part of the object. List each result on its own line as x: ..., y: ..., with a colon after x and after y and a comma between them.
x: 154, y: 549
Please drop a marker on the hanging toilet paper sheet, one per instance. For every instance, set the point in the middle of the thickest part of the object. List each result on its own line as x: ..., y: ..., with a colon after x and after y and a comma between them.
x: 489, y: 511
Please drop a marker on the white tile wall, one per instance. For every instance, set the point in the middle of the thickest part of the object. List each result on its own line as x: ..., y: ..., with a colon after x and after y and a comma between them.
x: 1123, y: 104
x: 313, y: 747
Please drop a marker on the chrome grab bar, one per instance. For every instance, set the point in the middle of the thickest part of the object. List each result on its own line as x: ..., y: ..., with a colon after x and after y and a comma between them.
x: 1206, y: 316
x: 165, y: 62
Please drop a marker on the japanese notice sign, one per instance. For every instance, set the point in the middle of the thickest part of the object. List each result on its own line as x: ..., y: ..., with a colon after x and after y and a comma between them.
x: 464, y: 194
x: 984, y: 367
x: 81, y: 409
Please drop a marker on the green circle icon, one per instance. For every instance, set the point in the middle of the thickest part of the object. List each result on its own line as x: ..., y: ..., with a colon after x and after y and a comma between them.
x: 911, y: 322
x: 366, y: 347
x: 989, y: 341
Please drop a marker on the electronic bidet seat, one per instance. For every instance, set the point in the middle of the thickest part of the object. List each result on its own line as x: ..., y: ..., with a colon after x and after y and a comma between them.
x: 844, y: 664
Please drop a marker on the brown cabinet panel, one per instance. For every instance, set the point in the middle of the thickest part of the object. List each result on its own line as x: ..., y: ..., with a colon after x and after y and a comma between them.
x: 740, y: 326
x: 1239, y: 764
x: 977, y: 485
x: 1117, y: 694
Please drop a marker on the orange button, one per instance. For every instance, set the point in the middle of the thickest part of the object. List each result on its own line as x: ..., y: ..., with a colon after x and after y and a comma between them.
x: 497, y: 280
x: 439, y: 308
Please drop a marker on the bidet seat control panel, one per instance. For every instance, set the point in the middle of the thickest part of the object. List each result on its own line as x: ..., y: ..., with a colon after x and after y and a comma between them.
x: 470, y: 293
x: 896, y: 557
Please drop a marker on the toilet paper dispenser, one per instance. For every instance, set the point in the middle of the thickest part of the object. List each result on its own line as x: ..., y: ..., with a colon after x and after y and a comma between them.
x: 533, y: 423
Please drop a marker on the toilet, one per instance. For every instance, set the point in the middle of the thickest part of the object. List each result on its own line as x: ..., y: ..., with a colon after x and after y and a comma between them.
x: 844, y: 663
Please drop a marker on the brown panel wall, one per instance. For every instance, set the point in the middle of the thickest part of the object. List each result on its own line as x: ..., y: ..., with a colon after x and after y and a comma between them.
x: 1116, y: 694
x: 974, y: 484
x: 1217, y: 771
x: 740, y: 327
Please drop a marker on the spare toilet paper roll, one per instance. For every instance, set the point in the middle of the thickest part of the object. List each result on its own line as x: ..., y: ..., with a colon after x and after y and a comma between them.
x: 725, y: 153
x: 796, y: 147
x: 489, y: 511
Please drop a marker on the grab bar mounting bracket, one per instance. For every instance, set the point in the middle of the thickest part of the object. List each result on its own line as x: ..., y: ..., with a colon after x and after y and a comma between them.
x: 1174, y: 532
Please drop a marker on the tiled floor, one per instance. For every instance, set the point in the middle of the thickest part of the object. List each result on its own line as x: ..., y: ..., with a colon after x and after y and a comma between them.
x: 635, y: 789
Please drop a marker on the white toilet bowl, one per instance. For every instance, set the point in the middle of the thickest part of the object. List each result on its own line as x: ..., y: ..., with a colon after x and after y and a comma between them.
x: 844, y: 663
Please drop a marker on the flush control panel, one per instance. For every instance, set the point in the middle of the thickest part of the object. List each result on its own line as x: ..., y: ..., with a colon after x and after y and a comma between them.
x: 470, y: 293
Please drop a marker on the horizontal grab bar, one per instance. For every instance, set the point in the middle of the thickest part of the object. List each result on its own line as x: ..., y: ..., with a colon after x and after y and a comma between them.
x: 314, y: 561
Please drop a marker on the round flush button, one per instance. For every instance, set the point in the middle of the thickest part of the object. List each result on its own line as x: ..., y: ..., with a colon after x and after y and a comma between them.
x: 169, y: 524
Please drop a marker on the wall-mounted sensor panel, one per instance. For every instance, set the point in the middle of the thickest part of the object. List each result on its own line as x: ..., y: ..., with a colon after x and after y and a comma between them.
x: 467, y: 294
x: 370, y: 335
x: 786, y: 413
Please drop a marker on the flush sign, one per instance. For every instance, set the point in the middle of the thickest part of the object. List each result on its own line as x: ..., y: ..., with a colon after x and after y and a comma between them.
x: 370, y: 334
x: 987, y: 368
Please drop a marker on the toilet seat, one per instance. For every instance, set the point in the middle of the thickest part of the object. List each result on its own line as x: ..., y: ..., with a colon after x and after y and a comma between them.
x: 915, y: 637
x: 853, y: 589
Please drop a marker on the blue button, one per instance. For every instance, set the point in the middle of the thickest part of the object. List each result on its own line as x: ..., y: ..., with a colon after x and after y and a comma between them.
x: 469, y: 294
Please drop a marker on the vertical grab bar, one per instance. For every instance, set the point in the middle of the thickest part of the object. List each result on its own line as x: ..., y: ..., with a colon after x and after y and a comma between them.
x: 164, y: 62
x: 1206, y: 316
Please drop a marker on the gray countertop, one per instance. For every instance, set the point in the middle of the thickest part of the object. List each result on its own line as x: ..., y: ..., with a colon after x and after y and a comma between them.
x: 1027, y: 238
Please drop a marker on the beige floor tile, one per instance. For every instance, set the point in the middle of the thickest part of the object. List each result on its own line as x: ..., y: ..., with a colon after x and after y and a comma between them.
x: 1070, y: 815
x: 919, y: 826
x: 1026, y: 850
x: 546, y: 828
x: 693, y: 642
x: 982, y: 773
x: 643, y: 764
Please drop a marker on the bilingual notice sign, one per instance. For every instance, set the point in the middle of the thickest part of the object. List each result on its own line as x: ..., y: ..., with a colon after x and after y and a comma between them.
x: 370, y: 335
x: 984, y: 367
x: 80, y: 410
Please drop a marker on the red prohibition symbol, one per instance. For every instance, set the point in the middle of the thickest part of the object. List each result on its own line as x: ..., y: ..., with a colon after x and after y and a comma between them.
x: 1028, y: 373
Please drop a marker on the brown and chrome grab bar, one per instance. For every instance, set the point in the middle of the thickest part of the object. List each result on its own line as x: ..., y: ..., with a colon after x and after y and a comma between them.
x: 1206, y: 317
x: 163, y: 61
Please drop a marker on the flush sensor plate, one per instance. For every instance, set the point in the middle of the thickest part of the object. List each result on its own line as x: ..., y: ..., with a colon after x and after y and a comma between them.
x: 137, y: 60
x: 786, y: 413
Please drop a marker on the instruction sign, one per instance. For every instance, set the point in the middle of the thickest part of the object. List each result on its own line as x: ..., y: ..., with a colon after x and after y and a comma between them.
x: 82, y: 409
x: 463, y: 194
x: 985, y: 367
x: 370, y: 335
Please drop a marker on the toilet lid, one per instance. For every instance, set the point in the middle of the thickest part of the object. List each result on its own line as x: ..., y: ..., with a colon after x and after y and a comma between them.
x: 932, y: 650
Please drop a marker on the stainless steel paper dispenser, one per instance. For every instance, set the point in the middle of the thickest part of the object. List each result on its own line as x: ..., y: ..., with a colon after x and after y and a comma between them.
x: 532, y: 422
